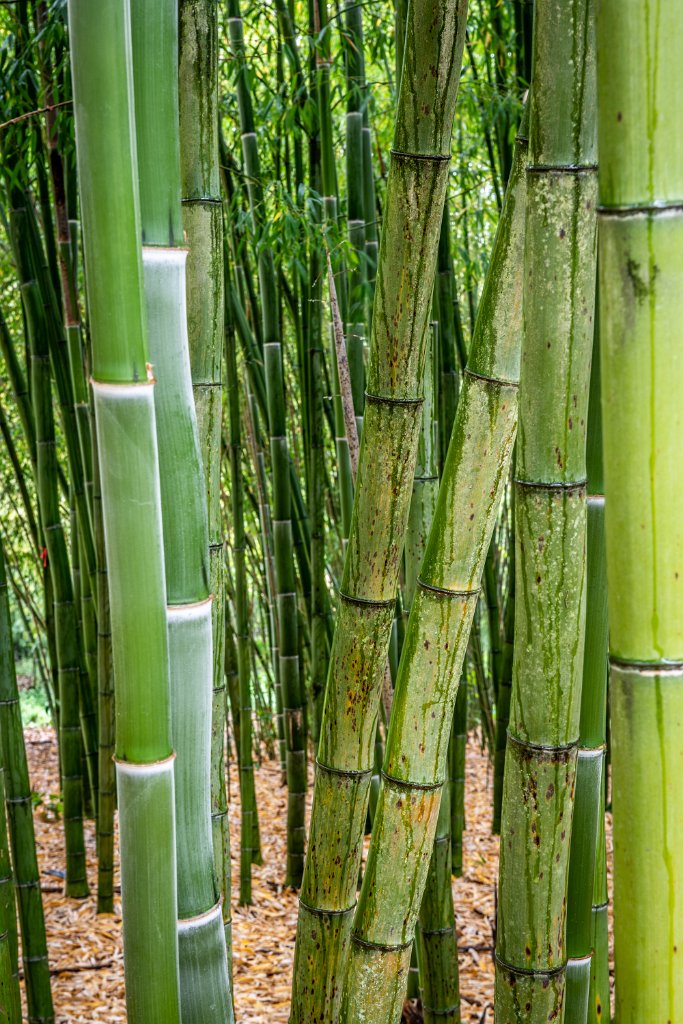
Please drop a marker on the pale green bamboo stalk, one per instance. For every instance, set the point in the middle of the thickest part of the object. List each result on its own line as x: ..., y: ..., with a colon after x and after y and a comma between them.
x: 127, y: 443
x: 415, y: 765
x: 203, y: 224
x: 641, y: 313
x: 550, y: 519
x: 588, y: 802
x: 204, y: 982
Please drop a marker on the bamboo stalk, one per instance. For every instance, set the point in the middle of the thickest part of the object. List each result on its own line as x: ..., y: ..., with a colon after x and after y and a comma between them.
x: 17, y: 797
x: 203, y: 225
x: 415, y: 765
x: 550, y: 519
x: 128, y: 457
x: 391, y: 425
x: 204, y: 982
x: 640, y: 231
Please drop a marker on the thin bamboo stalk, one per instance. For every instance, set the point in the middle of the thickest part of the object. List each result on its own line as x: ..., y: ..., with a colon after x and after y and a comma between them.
x: 588, y: 801
x: 20, y: 822
x: 282, y: 503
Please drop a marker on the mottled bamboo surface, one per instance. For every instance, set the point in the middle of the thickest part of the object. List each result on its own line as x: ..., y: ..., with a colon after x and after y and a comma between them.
x: 86, y: 955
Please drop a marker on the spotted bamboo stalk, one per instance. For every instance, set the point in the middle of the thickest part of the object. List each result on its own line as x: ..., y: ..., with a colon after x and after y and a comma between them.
x: 391, y: 425
x: 550, y: 519
x: 641, y: 267
x: 415, y: 765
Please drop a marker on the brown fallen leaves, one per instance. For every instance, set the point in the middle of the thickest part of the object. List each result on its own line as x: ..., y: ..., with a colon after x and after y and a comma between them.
x: 86, y: 950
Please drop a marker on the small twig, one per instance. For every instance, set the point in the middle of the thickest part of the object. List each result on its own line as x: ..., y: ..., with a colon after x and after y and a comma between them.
x: 32, y: 113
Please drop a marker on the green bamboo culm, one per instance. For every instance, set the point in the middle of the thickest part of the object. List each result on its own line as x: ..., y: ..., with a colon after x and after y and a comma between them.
x: 123, y: 392
x: 17, y: 796
x: 243, y: 737
x: 65, y: 609
x: 203, y: 224
x: 10, y: 996
x: 641, y: 306
x: 204, y: 982
x: 436, y: 940
x: 588, y: 800
x: 106, y: 744
x: 550, y: 518
x: 407, y: 261
x: 416, y: 761
x: 281, y: 508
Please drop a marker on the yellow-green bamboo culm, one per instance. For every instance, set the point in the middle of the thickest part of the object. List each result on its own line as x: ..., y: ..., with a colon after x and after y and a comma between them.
x: 416, y: 760
x: 640, y: 77
x: 407, y: 261
x: 550, y: 518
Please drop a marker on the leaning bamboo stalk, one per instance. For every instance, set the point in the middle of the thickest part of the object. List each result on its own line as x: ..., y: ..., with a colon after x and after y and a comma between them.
x: 204, y: 983
x: 641, y: 312
x: 415, y: 766
x: 19, y: 805
x: 123, y: 392
x: 407, y: 261
x: 550, y: 519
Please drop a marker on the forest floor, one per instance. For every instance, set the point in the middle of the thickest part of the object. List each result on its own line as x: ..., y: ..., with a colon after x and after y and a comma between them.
x: 86, y: 949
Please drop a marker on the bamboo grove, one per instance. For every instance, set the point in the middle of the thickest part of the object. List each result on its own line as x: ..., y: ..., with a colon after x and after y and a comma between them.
x: 340, y: 419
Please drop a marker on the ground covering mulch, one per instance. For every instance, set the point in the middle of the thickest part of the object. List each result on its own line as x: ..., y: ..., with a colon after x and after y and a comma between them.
x: 86, y: 952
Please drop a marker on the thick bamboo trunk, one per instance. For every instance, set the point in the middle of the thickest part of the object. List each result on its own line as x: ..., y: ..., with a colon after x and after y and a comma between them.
x: 641, y: 313
x: 203, y: 225
x: 415, y: 765
x: 131, y: 503
x: 204, y: 982
x: 407, y: 262
x: 550, y: 519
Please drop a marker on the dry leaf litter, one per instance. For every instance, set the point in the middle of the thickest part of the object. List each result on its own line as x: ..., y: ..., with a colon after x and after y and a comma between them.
x: 86, y: 955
